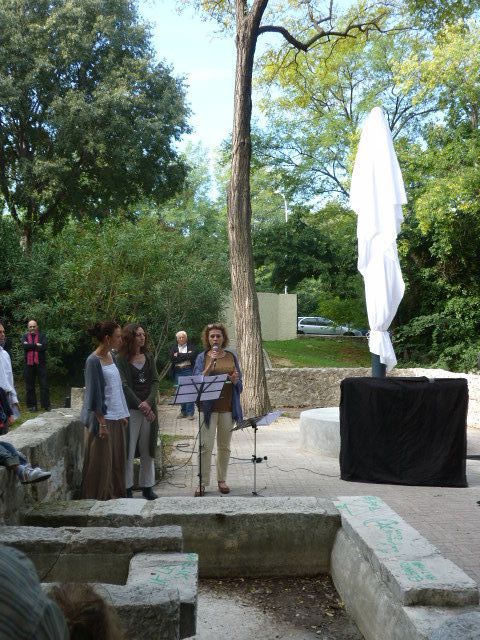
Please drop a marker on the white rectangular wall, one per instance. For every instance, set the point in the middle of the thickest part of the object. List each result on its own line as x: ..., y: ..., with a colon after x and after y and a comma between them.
x: 278, y: 316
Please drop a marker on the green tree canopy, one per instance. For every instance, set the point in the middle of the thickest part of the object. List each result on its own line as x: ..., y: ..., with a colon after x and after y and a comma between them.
x: 138, y: 271
x: 87, y: 118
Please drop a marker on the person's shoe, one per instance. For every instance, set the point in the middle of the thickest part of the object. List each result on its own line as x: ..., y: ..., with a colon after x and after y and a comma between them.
x: 129, y: 493
x: 29, y: 475
x: 148, y: 494
x: 32, y: 409
x: 223, y: 487
x: 191, y: 417
x: 180, y: 416
x: 200, y: 491
x: 47, y: 409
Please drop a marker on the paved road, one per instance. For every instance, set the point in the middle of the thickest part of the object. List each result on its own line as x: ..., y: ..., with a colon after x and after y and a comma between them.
x: 449, y: 518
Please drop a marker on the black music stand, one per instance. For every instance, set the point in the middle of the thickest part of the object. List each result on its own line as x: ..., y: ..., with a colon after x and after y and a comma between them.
x: 197, y: 389
x: 255, y: 422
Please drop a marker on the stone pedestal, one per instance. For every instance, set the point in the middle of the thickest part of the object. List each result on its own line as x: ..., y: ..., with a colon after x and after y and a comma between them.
x: 320, y: 431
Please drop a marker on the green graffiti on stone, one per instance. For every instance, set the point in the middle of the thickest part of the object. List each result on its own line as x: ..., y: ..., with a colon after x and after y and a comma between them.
x: 416, y: 571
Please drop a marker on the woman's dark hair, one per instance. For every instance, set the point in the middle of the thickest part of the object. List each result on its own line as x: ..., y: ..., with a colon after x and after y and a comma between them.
x: 102, y: 329
x: 128, y: 339
x: 88, y: 615
x: 219, y: 327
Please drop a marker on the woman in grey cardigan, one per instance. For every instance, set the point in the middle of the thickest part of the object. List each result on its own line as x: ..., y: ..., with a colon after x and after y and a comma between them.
x: 140, y: 384
x: 105, y: 414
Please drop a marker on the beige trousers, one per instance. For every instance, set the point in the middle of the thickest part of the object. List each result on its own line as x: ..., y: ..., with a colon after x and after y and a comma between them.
x: 221, y: 424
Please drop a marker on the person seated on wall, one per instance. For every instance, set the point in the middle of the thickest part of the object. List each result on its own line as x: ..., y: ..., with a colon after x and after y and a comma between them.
x: 10, y: 458
x: 88, y: 615
x: 26, y: 612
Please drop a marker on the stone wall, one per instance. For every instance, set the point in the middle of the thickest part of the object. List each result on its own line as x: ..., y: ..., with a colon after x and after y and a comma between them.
x: 53, y: 441
x: 321, y: 387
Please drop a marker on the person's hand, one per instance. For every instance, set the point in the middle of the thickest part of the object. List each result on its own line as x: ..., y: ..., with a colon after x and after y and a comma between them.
x: 10, y: 420
x: 234, y: 376
x: 175, y: 354
x: 39, y: 344
x: 124, y: 422
x: 144, y: 407
x: 150, y: 416
x: 103, y: 432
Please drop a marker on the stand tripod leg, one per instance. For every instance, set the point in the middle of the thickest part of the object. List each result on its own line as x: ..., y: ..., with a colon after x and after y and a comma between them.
x: 255, y: 461
x: 200, y: 478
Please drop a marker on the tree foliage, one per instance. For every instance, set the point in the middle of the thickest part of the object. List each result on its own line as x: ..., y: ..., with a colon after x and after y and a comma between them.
x: 87, y: 118
x: 128, y: 271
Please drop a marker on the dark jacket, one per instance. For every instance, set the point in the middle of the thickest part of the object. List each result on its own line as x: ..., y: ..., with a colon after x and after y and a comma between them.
x: 207, y: 405
x: 191, y: 355
x: 94, y: 399
x: 42, y: 339
x: 133, y: 401
x: 5, y: 410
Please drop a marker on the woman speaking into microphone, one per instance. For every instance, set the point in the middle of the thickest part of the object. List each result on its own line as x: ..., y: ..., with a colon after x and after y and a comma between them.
x: 218, y: 416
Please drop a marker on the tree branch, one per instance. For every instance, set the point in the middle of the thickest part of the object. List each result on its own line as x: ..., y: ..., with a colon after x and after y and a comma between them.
x: 362, y: 27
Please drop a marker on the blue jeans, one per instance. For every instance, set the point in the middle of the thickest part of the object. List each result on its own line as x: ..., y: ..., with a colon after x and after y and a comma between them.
x: 9, y: 456
x: 188, y: 408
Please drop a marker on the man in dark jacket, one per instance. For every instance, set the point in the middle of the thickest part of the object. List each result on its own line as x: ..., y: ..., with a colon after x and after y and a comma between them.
x: 35, y: 345
x: 183, y: 356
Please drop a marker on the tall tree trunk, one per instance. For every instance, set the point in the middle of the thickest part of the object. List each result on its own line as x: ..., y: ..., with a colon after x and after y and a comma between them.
x: 245, y: 303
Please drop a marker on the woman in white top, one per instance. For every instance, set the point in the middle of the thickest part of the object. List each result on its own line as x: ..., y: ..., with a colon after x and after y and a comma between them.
x: 105, y: 414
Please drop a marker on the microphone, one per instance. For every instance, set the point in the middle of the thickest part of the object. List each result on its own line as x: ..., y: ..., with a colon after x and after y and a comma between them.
x: 215, y: 350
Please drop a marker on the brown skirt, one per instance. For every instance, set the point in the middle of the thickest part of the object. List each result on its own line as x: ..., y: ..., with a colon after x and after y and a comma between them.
x: 103, y: 475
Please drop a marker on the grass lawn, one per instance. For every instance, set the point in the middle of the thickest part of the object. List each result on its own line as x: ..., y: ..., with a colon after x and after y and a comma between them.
x: 319, y: 352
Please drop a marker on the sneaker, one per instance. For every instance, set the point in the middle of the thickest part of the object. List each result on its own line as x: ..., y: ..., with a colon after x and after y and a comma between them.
x: 180, y: 415
x: 29, y: 475
x: 191, y: 417
x: 129, y: 493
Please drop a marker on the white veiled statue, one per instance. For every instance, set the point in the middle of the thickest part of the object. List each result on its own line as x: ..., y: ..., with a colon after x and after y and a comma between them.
x: 376, y: 195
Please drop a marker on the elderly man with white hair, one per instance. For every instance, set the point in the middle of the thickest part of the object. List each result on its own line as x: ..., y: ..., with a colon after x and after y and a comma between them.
x: 182, y: 356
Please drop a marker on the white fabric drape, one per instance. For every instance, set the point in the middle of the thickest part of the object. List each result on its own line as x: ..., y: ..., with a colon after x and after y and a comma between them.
x: 376, y: 195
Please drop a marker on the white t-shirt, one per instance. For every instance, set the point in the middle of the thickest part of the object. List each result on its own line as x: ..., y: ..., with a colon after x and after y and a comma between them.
x: 6, y: 375
x: 114, y: 396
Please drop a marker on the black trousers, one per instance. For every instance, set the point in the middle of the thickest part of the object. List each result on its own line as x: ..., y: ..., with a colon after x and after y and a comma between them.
x: 30, y: 374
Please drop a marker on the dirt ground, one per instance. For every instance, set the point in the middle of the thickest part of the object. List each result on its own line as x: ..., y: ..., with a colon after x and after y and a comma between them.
x: 296, y: 607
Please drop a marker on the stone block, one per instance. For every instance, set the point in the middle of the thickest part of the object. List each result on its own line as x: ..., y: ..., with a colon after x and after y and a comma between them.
x: 320, y: 431
x: 53, y: 441
x: 238, y: 536
x: 413, y: 569
x: 93, y: 554
x: 377, y: 613
x: 168, y: 571
x: 59, y: 513
x: 117, y: 513
x: 463, y: 627
x: 263, y: 536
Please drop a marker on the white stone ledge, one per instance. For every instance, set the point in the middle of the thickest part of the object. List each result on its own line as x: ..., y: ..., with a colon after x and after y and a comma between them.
x: 413, y: 569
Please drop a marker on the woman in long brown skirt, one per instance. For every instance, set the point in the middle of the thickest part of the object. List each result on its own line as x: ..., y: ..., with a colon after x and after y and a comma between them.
x: 105, y: 414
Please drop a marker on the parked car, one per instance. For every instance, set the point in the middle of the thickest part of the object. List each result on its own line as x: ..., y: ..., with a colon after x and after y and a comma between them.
x: 319, y: 326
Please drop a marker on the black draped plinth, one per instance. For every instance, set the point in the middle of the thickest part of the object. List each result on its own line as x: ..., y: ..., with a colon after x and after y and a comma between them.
x: 408, y: 431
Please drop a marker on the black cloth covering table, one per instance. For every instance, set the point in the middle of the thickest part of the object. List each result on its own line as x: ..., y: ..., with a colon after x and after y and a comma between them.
x: 409, y: 431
